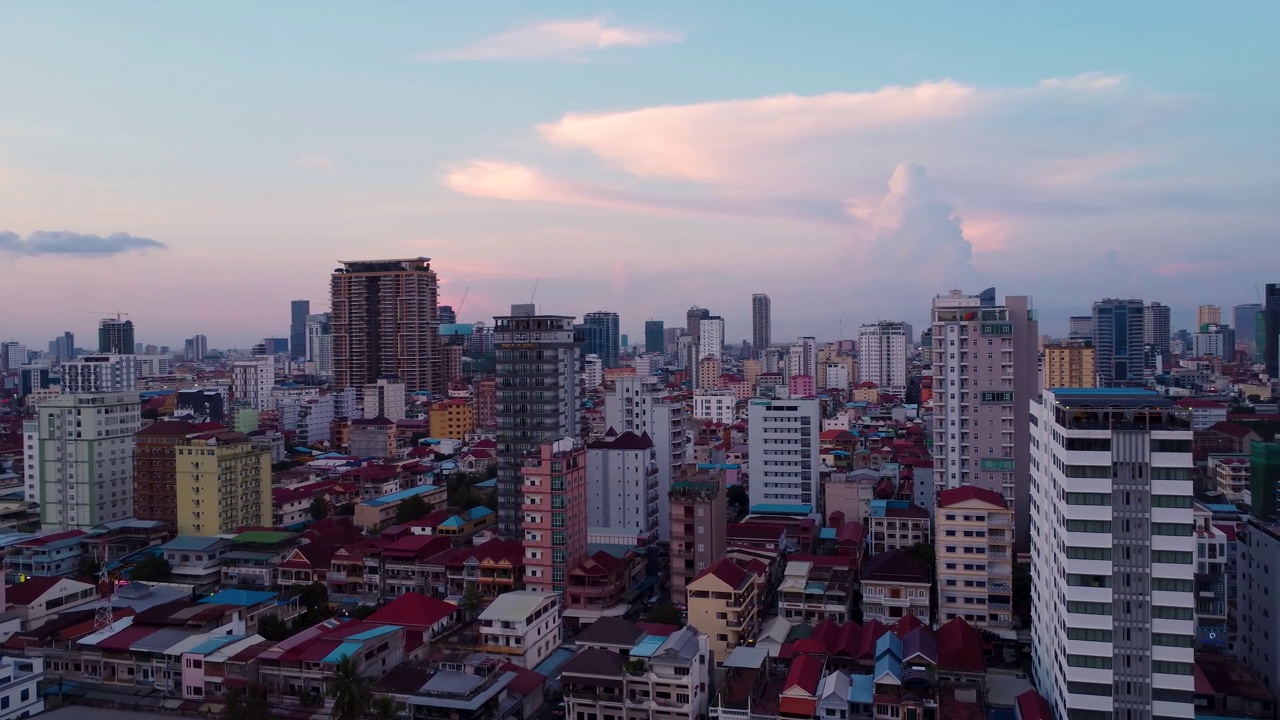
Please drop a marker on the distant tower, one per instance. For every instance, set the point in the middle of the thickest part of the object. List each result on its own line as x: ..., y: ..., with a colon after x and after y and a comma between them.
x: 298, y: 312
x: 761, y: 323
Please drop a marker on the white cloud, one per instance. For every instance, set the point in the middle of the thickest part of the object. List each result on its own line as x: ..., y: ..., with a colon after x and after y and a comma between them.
x: 314, y: 162
x: 562, y: 40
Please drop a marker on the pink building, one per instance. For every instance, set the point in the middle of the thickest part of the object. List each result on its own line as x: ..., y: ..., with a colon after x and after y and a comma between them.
x: 802, y: 386
x: 555, y: 513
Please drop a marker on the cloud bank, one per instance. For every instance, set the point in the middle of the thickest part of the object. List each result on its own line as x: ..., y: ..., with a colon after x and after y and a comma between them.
x: 572, y: 40
x: 63, y: 242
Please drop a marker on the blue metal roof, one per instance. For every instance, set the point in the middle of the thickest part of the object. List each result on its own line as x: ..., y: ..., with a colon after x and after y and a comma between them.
x: 369, y: 634
x: 346, y: 649
x: 398, y: 496
x: 213, y: 644
x: 862, y: 689
x: 648, y: 646
x: 1222, y: 508
x: 827, y: 533
x: 550, y: 667
x: 490, y: 483
x: 191, y: 542
x: 781, y: 509
x: 241, y: 598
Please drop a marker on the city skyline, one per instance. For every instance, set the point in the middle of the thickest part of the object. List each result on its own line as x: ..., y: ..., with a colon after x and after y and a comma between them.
x: 622, y: 160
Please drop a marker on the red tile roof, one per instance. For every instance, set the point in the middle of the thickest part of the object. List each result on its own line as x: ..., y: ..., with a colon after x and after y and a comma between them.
x: 960, y: 648
x: 413, y: 610
x: 55, y: 537
x: 25, y: 593
x: 1231, y: 429
x: 806, y: 671
x: 727, y: 571
x: 895, y: 566
x: 964, y: 493
x: 527, y: 681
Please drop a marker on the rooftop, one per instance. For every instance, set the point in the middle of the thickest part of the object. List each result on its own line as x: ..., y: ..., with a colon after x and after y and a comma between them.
x: 403, y: 494
x: 516, y: 605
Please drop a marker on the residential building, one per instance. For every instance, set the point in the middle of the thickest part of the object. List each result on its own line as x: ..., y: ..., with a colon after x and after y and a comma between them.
x: 155, y: 492
x: 973, y: 547
x: 1112, y: 560
x: 372, y: 438
x: 802, y: 358
x: 783, y: 446
x: 486, y: 407
x: 196, y: 560
x: 761, y: 323
x: 252, y: 381
x: 724, y: 602
x: 223, y: 483
x: 554, y: 504
x: 1070, y: 364
x: 537, y: 386
x: 622, y: 487
x: 816, y: 590
x: 100, y: 374
x: 1208, y: 315
x: 319, y: 345
x: 20, y: 680
x: 115, y: 336
x: 1118, y: 334
x: 1156, y: 334
x: 699, y: 515
x: 896, y: 525
x: 1257, y: 609
x: 592, y: 371
x: 302, y: 665
x: 452, y: 419
x: 523, y: 626
x: 299, y: 310
x: 660, y: 676
x: 384, y: 321
x: 607, y: 341
x: 654, y: 337
x: 38, y: 599
x: 384, y: 398
x: 895, y: 584
x: 1080, y: 327
x: 79, y: 459
x: 378, y: 513
x: 1264, y: 479
x: 46, y: 555
x: 693, y: 322
x: 708, y: 374
x: 883, y: 350
x: 1270, y: 320
x: 711, y: 337
x: 1214, y: 340
x: 1247, y: 319
x: 715, y: 405
x: 640, y: 405
x: 984, y: 376
x: 152, y: 366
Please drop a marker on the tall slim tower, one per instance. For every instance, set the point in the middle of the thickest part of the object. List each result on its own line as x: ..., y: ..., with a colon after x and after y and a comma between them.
x: 883, y: 351
x: 654, y: 340
x: 1113, y: 574
x: 383, y: 321
x: 711, y: 337
x: 1271, y: 329
x: 761, y: 323
x: 694, y: 318
x: 1118, y: 334
x: 1157, y: 327
x: 1208, y: 315
x: 537, y: 386
x: 298, y: 312
x: 115, y: 335
x: 605, y: 342
x: 984, y: 376
x: 1246, y: 319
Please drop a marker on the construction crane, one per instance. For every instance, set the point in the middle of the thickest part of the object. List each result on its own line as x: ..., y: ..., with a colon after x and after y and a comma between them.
x: 463, y: 301
x: 119, y: 315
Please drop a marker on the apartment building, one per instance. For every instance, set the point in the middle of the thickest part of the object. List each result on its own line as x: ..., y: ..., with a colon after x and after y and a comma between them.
x: 622, y: 487
x: 883, y: 351
x: 699, y: 515
x: 973, y: 550
x: 452, y: 419
x: 524, y: 626
x: 640, y: 405
x: 555, y: 513
x: 724, y: 602
x: 896, y: 525
x: 155, y: 491
x: 895, y: 584
x: 659, y: 676
x: 223, y: 483
x: 784, y: 448
x: 1070, y: 364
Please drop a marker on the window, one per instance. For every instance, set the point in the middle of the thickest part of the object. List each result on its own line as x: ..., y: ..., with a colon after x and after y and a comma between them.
x: 1171, y: 613
x: 1171, y: 501
x: 1171, y: 640
x: 1168, y: 667
x: 1170, y: 585
x: 1174, y: 529
x: 1089, y: 526
x: 1096, y: 581
x: 1088, y: 608
x: 1089, y: 635
x: 1089, y: 661
x: 1087, y: 471
x: 1088, y: 498
x: 1088, y: 553
x: 1088, y: 688
x: 1172, y: 557
x: 1170, y: 446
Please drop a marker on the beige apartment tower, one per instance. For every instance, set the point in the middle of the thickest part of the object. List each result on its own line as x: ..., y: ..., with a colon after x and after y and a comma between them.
x: 385, y: 322
x: 1069, y: 364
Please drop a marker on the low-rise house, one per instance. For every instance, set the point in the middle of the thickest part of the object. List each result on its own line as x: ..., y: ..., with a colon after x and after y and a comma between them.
x: 897, y: 524
x: 254, y: 557
x: 817, y: 588
x: 1226, y: 688
x: 215, y: 665
x: 462, y: 689
x: 300, y: 665
x: 599, y: 583
x: 380, y: 512
x: 460, y: 525
x: 49, y: 555
x: 523, y: 626
x: 423, y: 618
x: 1229, y: 475
x: 402, y: 565
x: 196, y: 560
x: 724, y: 602
x: 799, y: 699
x: 116, y: 540
x: 40, y: 598
x: 895, y: 584
x: 491, y: 569
x: 666, y: 676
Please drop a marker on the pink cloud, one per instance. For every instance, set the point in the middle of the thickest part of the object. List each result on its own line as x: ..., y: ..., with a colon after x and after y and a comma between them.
x: 563, y: 40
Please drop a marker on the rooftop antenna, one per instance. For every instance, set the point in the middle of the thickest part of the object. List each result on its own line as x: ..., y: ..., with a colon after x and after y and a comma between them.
x: 104, y: 616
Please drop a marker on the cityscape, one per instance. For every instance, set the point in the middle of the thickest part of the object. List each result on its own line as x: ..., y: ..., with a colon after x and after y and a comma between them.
x: 670, y: 361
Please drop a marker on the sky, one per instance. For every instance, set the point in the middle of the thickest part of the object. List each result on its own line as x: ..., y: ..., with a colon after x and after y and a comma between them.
x: 199, y: 165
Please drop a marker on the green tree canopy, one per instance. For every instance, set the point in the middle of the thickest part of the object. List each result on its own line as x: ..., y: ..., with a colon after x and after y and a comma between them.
x: 152, y: 568
x: 352, y: 692
x: 665, y: 614
x: 319, y: 508
x: 412, y: 508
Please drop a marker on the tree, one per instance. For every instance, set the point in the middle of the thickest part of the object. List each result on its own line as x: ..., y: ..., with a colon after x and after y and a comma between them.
x: 314, y: 596
x: 273, y: 628
x: 255, y: 704
x: 88, y: 567
x: 412, y: 508
x: 152, y: 568
x: 319, y: 508
x: 346, y: 510
x: 233, y: 709
x: 471, y: 602
x: 384, y: 708
x: 925, y: 553
x: 351, y: 692
x: 665, y: 614
x: 738, y: 496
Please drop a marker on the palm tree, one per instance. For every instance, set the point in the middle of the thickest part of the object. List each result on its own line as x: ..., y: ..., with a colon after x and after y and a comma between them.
x: 384, y: 708
x: 351, y: 691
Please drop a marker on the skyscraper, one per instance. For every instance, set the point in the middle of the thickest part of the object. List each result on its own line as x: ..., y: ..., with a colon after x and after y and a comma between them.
x: 984, y: 374
x: 298, y: 312
x: 761, y: 323
x: 1247, y: 319
x: 1080, y: 327
x: 1118, y: 332
x: 1113, y: 558
x: 196, y: 347
x: 100, y: 374
x: 1156, y: 326
x: 115, y: 335
x: 693, y: 320
x: 1271, y: 329
x: 537, y: 385
x: 606, y: 342
x: 13, y: 355
x: 448, y: 316
x: 319, y: 345
x: 384, y: 322
x: 1208, y: 315
x: 64, y: 346
x: 638, y: 404
x: 711, y: 337
x: 883, y: 350
x: 654, y: 336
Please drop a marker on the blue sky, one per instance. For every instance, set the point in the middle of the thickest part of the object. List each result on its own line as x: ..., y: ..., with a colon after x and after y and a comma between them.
x: 850, y: 159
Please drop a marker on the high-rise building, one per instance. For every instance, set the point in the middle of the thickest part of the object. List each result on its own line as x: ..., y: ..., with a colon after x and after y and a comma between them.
x: 1264, y: 479
x: 80, y: 465
x: 1070, y: 364
x: 223, y: 483
x: 802, y: 358
x: 622, y: 487
x: 711, y: 337
x: 100, y: 374
x: 448, y: 316
x: 638, y: 404
x: 606, y: 341
x: 319, y: 345
x: 64, y: 347
x: 115, y: 336
x: 554, y: 510
x: 972, y: 522
x: 1080, y: 327
x: 1246, y: 319
x: 298, y: 312
x: 783, y: 443
x: 654, y: 337
x: 698, y: 521
x: 883, y: 351
x: 693, y: 320
x: 384, y: 398
x: 196, y: 348
x: 384, y: 322
x: 251, y: 382
x: 1113, y: 557
x: 13, y: 354
x: 984, y: 375
x: 155, y: 490
x: 761, y: 323
x: 1157, y: 331
x: 537, y: 385
x: 1270, y: 345
x: 1214, y: 341
x: 1118, y: 332
x: 1208, y: 315
x: 1257, y: 623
